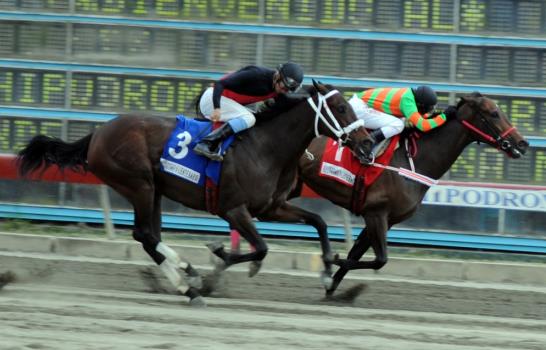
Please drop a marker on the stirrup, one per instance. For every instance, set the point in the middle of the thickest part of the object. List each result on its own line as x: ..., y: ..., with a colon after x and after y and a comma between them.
x: 216, y: 156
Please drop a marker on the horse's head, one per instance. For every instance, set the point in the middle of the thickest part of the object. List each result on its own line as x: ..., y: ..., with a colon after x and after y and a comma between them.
x: 489, y: 124
x: 335, y: 118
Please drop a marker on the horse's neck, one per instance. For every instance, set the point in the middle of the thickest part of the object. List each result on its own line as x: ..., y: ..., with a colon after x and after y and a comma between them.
x: 439, y: 149
x: 287, y: 135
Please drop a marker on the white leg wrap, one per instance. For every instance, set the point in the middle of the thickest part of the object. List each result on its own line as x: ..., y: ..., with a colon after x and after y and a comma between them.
x: 168, y: 253
x: 171, y: 272
x: 183, y: 265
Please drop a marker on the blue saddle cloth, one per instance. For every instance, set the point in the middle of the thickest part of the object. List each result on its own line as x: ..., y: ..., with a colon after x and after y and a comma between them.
x: 179, y: 159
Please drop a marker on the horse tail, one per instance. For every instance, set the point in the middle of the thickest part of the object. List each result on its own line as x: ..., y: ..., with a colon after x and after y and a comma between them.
x: 195, y: 104
x: 43, y: 151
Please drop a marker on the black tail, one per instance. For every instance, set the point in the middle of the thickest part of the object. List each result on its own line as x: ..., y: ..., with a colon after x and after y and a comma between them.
x: 43, y: 151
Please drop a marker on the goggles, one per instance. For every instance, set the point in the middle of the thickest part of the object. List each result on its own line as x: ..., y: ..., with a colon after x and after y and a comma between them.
x: 291, y: 84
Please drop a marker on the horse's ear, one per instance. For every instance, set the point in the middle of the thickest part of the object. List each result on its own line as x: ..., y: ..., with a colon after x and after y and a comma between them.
x: 315, y: 84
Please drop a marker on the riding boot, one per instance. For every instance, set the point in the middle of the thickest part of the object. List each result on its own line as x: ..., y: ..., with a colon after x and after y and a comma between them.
x: 377, y: 135
x: 208, y: 146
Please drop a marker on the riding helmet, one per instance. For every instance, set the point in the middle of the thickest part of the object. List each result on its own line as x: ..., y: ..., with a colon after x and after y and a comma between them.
x: 425, y: 98
x: 291, y: 75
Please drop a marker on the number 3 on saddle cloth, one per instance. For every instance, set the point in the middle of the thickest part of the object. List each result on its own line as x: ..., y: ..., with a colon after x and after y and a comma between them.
x: 178, y: 158
x: 339, y: 164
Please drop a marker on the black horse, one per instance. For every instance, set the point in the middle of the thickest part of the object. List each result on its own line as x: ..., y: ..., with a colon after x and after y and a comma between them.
x: 392, y: 198
x: 257, y: 175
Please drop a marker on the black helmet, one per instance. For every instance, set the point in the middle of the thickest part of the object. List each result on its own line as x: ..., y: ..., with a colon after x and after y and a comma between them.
x: 425, y: 98
x: 291, y: 75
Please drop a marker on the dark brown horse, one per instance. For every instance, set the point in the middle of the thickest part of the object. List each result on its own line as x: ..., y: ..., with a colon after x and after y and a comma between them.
x: 392, y: 198
x: 257, y: 174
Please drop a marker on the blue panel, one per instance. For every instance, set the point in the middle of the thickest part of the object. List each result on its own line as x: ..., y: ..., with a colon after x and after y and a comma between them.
x: 422, y: 238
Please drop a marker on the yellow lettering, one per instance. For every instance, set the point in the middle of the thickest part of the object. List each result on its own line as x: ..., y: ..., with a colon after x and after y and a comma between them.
x: 540, y: 165
x: 24, y: 130
x: 333, y: 12
x: 465, y: 166
x: 249, y: 9
x: 223, y: 8
x: 53, y: 88
x: 28, y: 87
x: 195, y: 9
x: 416, y: 14
x: 438, y: 8
x: 522, y: 114
x: 5, y: 132
x: 187, y: 92
x: 277, y: 11
x: 113, y: 6
x: 134, y: 94
x: 167, y: 8
x: 162, y: 96
x: 109, y: 39
x: 472, y: 15
x: 304, y: 10
x: 82, y: 91
x: 360, y: 12
x: 139, y: 7
x: 87, y: 5
x: 51, y: 128
x: 108, y: 91
x: 491, y: 164
x: 6, y: 87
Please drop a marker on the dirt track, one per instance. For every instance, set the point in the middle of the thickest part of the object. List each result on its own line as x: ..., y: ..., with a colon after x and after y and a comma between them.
x: 82, y: 305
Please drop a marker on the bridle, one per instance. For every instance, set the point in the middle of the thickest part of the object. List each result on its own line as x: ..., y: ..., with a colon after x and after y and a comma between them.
x: 342, y: 133
x: 493, y: 136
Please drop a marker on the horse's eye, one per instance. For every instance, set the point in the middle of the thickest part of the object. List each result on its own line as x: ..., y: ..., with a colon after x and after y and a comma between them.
x: 495, y: 114
x: 341, y: 109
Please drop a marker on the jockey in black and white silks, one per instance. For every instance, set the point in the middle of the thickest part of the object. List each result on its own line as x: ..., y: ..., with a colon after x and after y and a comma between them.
x: 226, y: 100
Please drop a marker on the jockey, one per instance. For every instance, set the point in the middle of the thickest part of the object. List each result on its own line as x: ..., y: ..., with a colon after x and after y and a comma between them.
x: 226, y: 101
x: 382, y: 110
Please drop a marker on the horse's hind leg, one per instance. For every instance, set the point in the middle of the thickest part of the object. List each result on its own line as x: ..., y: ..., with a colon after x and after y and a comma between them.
x: 289, y: 213
x: 173, y: 259
x: 240, y: 219
x: 147, y: 207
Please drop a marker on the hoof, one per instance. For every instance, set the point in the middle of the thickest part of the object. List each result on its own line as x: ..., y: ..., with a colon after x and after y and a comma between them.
x: 219, y: 266
x: 254, y: 268
x: 215, y: 247
x: 326, y: 280
x: 195, y: 298
x: 198, y: 302
x: 194, y: 281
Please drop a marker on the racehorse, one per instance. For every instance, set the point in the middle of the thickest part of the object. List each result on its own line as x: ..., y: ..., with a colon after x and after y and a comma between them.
x: 257, y: 174
x: 392, y: 198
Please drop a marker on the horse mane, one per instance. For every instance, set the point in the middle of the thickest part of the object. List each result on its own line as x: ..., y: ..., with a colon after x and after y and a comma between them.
x: 283, y: 104
x: 474, y: 94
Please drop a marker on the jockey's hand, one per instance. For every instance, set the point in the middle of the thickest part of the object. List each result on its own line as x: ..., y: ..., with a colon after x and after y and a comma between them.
x: 450, y: 112
x: 216, y: 114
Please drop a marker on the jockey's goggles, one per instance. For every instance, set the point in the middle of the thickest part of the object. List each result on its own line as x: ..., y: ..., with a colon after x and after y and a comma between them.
x: 291, y: 84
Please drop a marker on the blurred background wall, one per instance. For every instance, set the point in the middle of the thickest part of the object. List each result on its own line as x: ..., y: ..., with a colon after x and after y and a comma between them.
x: 66, y: 66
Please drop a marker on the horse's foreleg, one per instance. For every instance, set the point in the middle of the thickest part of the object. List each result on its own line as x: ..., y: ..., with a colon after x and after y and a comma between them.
x: 374, y: 235
x: 290, y: 213
x: 240, y: 219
